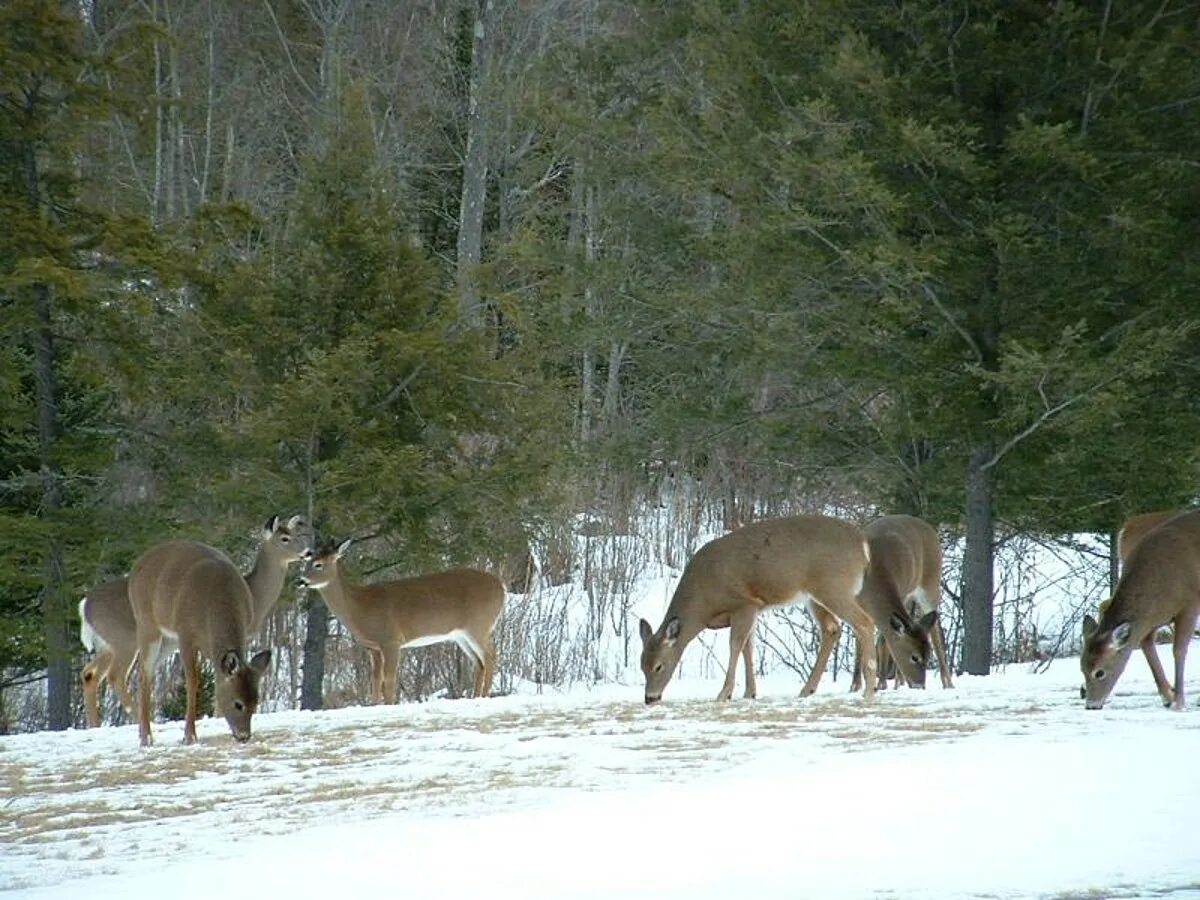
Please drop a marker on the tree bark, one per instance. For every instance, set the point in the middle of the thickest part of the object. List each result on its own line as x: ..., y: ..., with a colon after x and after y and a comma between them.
x: 978, y: 564
x: 316, y: 630
x: 475, y: 170
x: 53, y: 600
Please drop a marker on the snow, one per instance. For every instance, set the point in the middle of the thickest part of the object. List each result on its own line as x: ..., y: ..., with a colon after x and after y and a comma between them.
x: 1003, y: 787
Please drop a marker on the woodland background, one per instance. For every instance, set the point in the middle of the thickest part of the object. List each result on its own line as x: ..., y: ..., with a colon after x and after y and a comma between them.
x: 507, y: 282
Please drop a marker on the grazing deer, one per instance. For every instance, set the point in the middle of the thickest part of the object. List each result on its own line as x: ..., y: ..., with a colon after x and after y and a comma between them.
x: 1160, y: 583
x: 193, y: 595
x: 460, y: 605
x: 108, y: 629
x: 817, y: 560
x: 902, y: 593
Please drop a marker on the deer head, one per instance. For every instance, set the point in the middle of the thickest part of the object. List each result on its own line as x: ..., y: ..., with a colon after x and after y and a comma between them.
x: 237, y: 685
x: 1106, y: 652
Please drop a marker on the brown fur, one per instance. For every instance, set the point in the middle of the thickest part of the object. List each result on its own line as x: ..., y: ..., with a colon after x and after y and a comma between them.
x: 386, y: 616
x: 107, y: 611
x: 1160, y: 584
x: 772, y: 563
x: 906, y: 559
x: 193, y: 591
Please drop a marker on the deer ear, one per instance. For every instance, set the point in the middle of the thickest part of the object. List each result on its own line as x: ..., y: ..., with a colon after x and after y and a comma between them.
x: 343, y: 547
x: 671, y: 634
x: 230, y: 662
x: 1089, y: 627
x: 897, y: 623
x: 294, y: 522
x: 260, y: 661
x: 272, y: 525
x: 1120, y: 635
x: 646, y: 631
x: 928, y: 620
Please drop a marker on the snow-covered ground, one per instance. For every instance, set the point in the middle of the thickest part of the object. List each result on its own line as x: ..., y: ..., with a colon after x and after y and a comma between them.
x: 1003, y: 787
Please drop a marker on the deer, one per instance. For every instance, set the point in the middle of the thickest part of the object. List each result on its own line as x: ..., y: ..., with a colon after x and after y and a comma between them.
x: 1159, y: 583
x: 193, y: 595
x: 816, y: 560
x: 107, y: 627
x: 458, y: 605
x: 902, y: 593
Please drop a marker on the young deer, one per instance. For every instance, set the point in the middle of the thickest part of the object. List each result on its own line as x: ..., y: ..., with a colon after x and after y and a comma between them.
x: 461, y: 605
x: 1160, y: 583
x: 902, y: 594
x: 817, y: 560
x: 108, y: 629
x: 192, y: 594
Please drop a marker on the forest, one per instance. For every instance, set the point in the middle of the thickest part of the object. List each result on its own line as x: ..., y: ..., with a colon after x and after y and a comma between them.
x: 486, y: 282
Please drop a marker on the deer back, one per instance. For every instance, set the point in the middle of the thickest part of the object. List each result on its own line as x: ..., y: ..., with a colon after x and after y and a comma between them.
x: 906, y: 557
x: 192, y: 590
x: 1161, y: 577
x: 107, y: 615
x: 433, y: 604
x: 1137, y: 527
x: 772, y: 563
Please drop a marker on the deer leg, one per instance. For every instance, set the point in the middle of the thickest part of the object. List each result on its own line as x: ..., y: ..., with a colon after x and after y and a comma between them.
x: 391, y: 662
x: 485, y: 656
x: 375, y: 658
x: 487, y: 671
x: 147, y: 658
x: 118, y: 678
x: 939, y: 647
x: 1185, y: 624
x: 191, y: 681
x: 1156, y: 669
x: 864, y: 630
x: 829, y: 626
x: 751, y: 692
x: 883, y: 660
x: 93, y: 676
x: 741, y: 624
x: 856, y: 681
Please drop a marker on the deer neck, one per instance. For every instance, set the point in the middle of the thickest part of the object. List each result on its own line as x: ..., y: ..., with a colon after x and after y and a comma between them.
x: 338, y: 595
x: 265, y: 581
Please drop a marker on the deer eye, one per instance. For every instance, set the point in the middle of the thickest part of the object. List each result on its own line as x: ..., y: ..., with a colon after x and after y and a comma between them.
x: 658, y: 667
x: 1099, y: 674
x: 916, y: 660
x: 318, y: 565
x: 283, y: 538
x: 239, y: 705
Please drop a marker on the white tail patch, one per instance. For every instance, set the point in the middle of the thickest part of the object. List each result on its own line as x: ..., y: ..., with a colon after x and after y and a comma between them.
x: 87, y: 634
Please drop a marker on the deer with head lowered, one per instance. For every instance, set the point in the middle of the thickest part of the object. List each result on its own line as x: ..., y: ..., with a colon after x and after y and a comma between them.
x: 902, y: 593
x: 1160, y: 583
x: 459, y: 605
x: 108, y: 629
x: 816, y: 560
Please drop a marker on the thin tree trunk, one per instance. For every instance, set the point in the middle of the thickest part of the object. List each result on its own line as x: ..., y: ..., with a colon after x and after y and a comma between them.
x: 316, y: 620
x: 159, y: 126
x: 978, y: 556
x: 475, y: 170
x: 54, y: 603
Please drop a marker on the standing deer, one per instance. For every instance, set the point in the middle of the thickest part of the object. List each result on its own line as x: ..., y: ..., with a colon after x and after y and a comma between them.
x: 192, y: 594
x: 817, y: 560
x: 460, y: 605
x: 1160, y: 583
x: 108, y: 629
x: 902, y: 593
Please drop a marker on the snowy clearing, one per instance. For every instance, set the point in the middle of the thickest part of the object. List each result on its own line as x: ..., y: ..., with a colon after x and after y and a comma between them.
x: 1003, y: 787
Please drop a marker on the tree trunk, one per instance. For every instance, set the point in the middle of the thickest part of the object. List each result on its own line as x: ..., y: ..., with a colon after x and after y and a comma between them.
x: 475, y: 169
x: 55, y: 605
x: 316, y: 630
x: 977, y: 564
